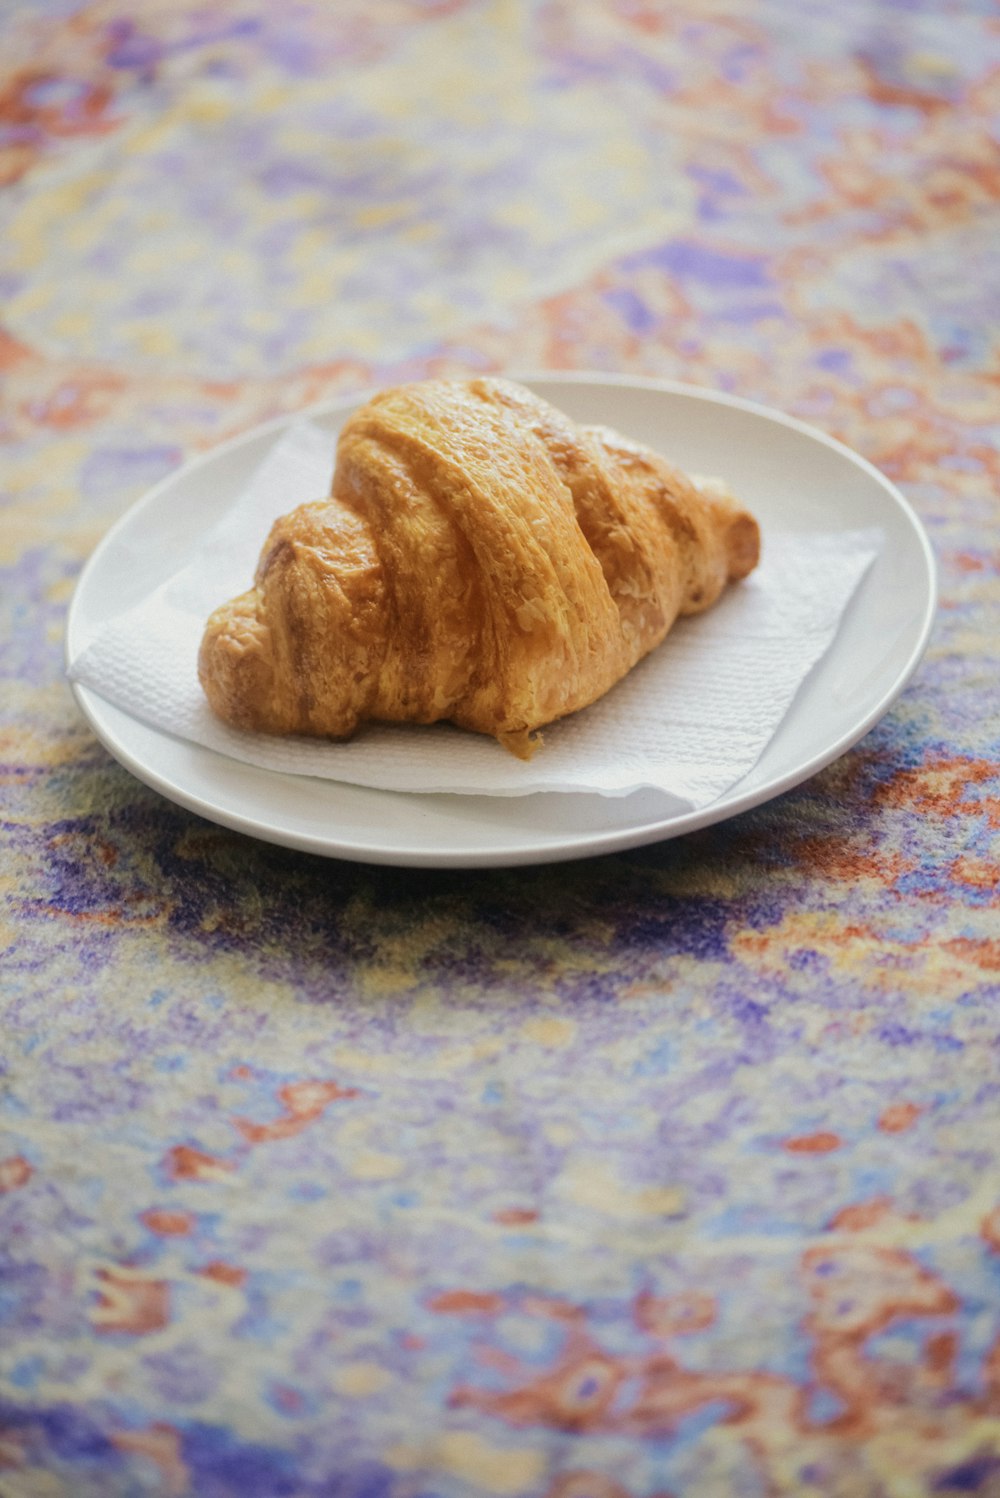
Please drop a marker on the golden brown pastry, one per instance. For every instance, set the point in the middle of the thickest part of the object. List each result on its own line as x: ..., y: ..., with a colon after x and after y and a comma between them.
x: 481, y: 558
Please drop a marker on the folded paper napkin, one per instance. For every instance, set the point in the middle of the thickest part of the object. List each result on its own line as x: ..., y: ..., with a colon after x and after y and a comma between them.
x: 691, y: 720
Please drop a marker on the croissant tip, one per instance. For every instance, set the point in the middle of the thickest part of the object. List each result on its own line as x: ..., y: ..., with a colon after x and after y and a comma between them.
x: 742, y: 546
x: 521, y: 742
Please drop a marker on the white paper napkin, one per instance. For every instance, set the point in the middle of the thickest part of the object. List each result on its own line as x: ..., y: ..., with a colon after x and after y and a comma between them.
x: 691, y: 720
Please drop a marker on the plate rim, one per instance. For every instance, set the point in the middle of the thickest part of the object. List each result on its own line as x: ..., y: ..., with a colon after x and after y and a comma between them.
x: 550, y: 848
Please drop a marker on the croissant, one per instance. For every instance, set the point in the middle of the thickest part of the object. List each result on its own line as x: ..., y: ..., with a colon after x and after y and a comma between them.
x: 481, y: 558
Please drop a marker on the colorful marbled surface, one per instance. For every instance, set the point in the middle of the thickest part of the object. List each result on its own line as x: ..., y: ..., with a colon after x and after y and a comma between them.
x: 672, y: 1173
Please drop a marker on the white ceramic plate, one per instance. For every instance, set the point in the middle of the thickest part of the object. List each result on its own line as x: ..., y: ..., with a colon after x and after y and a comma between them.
x: 790, y: 475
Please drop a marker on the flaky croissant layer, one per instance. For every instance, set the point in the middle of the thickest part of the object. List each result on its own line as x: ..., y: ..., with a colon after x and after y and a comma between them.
x: 481, y: 558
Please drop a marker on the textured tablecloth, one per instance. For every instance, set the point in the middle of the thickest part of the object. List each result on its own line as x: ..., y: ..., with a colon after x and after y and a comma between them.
x: 673, y: 1172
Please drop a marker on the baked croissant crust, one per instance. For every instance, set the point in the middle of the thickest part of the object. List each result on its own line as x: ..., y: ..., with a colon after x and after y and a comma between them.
x: 481, y: 558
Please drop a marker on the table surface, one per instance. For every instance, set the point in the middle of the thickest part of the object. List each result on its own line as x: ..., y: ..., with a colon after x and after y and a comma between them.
x: 672, y: 1172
